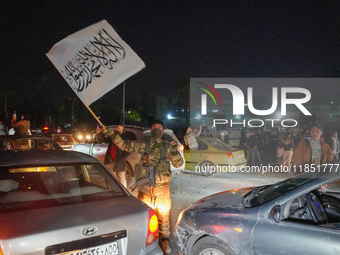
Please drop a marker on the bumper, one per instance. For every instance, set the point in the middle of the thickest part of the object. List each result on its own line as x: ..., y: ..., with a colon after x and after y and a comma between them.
x: 153, y: 249
x: 182, y: 236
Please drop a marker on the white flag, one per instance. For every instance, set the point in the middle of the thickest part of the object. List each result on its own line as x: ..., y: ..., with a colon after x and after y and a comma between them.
x: 94, y: 60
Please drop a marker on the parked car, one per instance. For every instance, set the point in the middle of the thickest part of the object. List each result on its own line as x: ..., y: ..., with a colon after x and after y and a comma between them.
x: 12, y: 142
x: 66, y: 141
x: 213, y: 156
x: 65, y: 202
x: 300, y: 215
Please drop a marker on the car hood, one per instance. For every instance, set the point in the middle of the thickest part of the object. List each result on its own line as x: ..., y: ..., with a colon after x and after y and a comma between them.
x: 228, y: 201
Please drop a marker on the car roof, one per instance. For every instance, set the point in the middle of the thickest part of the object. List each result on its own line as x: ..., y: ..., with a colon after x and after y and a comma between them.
x: 129, y: 127
x: 43, y: 157
x: 54, y: 134
x: 33, y: 138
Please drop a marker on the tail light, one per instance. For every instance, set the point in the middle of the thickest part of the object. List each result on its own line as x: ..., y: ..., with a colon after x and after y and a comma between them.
x: 230, y: 156
x: 181, y: 147
x: 152, y: 227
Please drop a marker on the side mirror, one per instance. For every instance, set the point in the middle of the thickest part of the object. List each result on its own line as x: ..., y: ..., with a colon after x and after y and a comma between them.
x: 275, y: 213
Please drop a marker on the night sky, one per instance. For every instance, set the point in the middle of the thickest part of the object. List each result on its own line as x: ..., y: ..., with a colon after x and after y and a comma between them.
x: 176, y: 39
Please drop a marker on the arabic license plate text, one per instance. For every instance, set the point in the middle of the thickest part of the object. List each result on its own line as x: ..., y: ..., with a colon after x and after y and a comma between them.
x: 105, y: 249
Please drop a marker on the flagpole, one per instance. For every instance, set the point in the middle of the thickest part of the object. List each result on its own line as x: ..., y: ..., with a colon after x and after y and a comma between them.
x: 93, y: 114
x: 124, y: 103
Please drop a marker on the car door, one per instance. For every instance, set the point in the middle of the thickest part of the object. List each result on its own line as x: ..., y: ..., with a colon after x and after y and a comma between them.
x: 194, y: 157
x: 99, y: 151
x: 292, y: 237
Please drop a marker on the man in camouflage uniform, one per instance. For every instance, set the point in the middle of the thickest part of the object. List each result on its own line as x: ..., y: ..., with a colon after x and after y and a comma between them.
x: 155, y: 145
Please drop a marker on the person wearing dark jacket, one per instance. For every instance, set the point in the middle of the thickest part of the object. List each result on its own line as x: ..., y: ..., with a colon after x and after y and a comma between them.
x: 116, y: 158
x: 254, y: 151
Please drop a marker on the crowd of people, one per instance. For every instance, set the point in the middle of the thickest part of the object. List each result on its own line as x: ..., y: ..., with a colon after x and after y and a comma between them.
x: 312, y: 146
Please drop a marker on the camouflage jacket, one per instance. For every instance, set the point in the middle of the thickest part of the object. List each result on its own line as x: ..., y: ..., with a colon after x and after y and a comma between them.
x: 139, y: 146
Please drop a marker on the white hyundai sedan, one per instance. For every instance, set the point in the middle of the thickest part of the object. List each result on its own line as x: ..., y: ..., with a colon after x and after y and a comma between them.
x: 62, y: 202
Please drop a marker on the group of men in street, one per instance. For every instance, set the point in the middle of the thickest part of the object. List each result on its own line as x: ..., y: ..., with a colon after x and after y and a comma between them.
x: 310, y: 148
x: 156, y: 154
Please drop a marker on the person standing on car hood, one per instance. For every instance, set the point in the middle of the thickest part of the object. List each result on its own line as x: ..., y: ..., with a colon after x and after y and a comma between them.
x: 154, y: 147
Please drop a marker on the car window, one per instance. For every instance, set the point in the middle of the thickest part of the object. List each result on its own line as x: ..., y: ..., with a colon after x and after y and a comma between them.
x: 27, y: 144
x: 4, y: 145
x: 129, y: 135
x: 47, y: 186
x: 202, y: 145
x: 218, y: 144
x: 167, y: 137
x: 264, y: 194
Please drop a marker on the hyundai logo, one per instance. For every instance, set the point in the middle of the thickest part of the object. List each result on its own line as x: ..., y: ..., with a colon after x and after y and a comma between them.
x: 89, y: 231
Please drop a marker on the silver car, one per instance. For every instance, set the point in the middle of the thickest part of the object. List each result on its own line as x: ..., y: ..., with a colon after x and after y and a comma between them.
x: 64, y: 202
x: 300, y: 215
x: 66, y: 141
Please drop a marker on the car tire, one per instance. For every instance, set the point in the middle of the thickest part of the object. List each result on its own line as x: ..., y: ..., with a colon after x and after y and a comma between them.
x: 210, y: 245
x: 205, y: 168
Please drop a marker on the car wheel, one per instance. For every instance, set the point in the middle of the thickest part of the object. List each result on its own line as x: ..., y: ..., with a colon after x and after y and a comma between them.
x: 207, y: 168
x: 316, y: 209
x: 210, y: 246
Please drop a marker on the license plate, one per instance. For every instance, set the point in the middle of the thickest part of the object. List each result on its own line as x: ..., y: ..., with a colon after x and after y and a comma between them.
x: 105, y: 249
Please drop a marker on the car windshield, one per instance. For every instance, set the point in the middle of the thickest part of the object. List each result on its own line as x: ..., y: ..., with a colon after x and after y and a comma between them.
x: 264, y: 194
x: 38, y: 186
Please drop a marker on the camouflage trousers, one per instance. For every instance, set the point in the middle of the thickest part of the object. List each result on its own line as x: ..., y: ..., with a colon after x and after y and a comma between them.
x: 162, y: 208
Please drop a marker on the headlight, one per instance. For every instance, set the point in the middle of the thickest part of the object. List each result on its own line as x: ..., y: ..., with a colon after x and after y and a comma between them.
x: 180, y: 216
